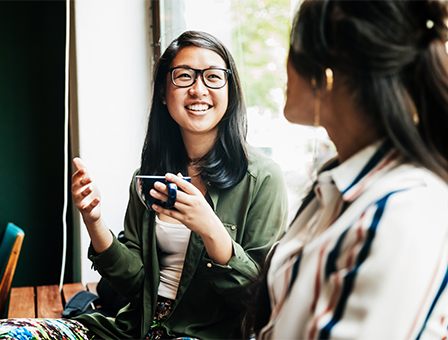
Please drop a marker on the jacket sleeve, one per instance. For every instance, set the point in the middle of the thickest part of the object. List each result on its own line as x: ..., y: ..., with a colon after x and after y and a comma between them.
x: 265, y: 223
x: 121, y: 264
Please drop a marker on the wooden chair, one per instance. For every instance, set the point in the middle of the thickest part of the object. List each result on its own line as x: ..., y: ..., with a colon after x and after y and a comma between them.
x: 10, y: 246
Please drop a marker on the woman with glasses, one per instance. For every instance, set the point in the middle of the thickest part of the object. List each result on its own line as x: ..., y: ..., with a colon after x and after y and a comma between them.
x: 366, y: 256
x: 188, y: 270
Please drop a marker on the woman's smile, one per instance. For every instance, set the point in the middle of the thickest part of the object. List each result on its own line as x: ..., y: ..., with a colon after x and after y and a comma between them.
x: 199, y: 109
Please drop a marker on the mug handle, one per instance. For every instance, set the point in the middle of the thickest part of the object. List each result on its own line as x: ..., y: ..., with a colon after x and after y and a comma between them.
x: 172, y: 195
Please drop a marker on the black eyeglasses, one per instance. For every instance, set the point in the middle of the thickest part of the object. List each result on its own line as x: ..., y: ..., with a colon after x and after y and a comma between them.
x: 213, y: 77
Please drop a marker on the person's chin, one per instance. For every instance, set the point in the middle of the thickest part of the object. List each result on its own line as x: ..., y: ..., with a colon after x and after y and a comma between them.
x: 291, y: 116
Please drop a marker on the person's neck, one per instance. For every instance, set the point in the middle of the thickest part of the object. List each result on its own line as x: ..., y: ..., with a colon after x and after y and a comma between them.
x: 347, y: 146
x: 351, y: 130
x: 198, y: 145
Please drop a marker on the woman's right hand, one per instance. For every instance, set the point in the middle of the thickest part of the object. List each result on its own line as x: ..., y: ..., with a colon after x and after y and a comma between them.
x: 86, y: 194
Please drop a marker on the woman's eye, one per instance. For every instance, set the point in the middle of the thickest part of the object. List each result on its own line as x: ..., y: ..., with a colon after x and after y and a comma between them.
x: 183, y: 75
x: 214, y: 76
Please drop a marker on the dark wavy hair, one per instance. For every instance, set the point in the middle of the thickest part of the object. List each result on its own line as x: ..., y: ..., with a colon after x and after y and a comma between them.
x: 394, y: 56
x: 164, y: 150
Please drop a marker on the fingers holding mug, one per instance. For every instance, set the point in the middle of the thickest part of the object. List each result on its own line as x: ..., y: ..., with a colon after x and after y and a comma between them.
x: 166, y: 193
x: 158, y: 190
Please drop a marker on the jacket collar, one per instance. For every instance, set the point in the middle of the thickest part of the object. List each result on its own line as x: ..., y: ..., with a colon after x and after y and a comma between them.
x: 357, y: 173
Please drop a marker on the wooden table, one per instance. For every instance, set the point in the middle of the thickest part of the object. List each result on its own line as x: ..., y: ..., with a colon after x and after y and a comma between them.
x: 43, y: 301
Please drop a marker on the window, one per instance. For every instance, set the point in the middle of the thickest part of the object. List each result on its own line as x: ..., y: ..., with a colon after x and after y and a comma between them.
x: 257, y: 33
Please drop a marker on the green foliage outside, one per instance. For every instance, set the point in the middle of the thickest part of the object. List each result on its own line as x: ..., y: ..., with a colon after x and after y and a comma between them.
x: 261, y: 33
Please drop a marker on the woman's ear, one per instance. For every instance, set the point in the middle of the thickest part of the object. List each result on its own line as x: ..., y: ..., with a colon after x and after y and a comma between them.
x: 162, y: 96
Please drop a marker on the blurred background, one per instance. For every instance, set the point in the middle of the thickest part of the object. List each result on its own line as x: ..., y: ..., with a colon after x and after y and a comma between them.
x: 112, y: 48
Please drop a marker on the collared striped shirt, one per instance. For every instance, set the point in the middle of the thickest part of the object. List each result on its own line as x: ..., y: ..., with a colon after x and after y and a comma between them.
x: 367, y: 257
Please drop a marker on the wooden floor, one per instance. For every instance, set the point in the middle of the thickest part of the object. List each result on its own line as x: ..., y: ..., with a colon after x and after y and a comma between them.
x: 43, y: 301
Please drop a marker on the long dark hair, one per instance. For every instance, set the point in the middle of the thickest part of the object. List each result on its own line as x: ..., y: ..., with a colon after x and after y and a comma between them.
x: 394, y: 55
x: 164, y: 151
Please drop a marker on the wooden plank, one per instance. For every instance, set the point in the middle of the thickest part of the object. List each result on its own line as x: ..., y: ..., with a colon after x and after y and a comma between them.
x: 21, y: 303
x: 49, y: 302
x: 70, y: 289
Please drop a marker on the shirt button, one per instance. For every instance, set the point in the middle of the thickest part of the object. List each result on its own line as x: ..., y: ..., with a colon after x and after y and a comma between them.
x: 209, y: 265
x: 233, y: 227
x: 209, y: 183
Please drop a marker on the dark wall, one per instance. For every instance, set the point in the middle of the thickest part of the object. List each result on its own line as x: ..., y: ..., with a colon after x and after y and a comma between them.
x: 32, y: 58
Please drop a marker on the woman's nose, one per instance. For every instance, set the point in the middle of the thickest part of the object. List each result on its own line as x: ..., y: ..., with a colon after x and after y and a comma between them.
x: 198, y: 88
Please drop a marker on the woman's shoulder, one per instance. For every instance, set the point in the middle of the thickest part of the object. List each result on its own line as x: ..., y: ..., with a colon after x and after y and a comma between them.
x: 409, y: 185
x: 261, y: 165
x: 420, y: 179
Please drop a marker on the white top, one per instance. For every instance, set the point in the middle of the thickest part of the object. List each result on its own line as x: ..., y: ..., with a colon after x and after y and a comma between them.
x: 172, y: 240
x: 378, y: 270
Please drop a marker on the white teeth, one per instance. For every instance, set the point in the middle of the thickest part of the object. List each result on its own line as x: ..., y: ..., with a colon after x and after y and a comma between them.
x: 198, y: 107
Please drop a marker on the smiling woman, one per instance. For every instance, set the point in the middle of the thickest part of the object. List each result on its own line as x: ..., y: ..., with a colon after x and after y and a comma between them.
x: 188, y: 270
x: 224, y: 222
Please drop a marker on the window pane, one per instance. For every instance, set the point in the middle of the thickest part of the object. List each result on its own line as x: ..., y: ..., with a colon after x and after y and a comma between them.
x: 257, y: 33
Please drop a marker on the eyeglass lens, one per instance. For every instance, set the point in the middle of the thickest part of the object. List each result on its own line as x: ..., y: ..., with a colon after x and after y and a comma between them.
x: 212, y: 77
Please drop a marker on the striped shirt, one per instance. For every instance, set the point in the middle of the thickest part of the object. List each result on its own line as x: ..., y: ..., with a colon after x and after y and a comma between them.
x: 367, y: 257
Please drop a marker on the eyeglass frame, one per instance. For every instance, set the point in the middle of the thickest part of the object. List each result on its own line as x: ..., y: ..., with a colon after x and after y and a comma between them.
x: 201, y: 72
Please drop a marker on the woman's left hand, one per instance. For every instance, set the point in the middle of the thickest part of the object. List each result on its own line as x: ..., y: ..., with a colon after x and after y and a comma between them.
x: 192, y: 210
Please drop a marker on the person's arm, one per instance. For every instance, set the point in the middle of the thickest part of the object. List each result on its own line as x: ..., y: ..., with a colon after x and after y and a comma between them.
x: 264, y: 225
x: 120, y: 264
x: 195, y: 213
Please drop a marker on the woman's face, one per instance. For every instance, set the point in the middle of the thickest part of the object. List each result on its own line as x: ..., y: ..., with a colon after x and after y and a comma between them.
x: 300, y: 98
x: 197, y: 109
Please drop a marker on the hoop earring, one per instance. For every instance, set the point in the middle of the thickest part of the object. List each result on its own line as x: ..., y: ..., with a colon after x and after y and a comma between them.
x: 329, y: 74
x: 316, y: 102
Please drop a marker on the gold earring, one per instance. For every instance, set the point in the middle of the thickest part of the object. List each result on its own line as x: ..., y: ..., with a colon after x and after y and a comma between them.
x: 316, y: 102
x: 329, y: 74
x: 415, y: 119
x: 414, y: 112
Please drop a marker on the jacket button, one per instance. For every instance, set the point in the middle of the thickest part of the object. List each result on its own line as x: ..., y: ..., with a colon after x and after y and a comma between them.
x: 233, y: 227
x: 209, y: 183
x: 209, y: 265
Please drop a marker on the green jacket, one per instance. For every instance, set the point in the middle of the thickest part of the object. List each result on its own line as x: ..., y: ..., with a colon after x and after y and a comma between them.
x: 210, y: 298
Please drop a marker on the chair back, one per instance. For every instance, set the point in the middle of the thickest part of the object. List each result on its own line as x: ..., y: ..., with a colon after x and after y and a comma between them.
x: 10, y: 246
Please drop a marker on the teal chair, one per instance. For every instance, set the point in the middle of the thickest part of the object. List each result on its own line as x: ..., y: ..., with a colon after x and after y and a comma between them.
x: 10, y: 246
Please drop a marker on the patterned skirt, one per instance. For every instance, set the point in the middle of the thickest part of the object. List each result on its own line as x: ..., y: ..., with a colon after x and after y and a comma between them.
x: 158, y: 331
x: 48, y: 329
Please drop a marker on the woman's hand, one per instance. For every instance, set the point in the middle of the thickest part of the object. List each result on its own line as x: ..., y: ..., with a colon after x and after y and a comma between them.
x: 192, y: 210
x: 86, y: 194
x: 87, y: 198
